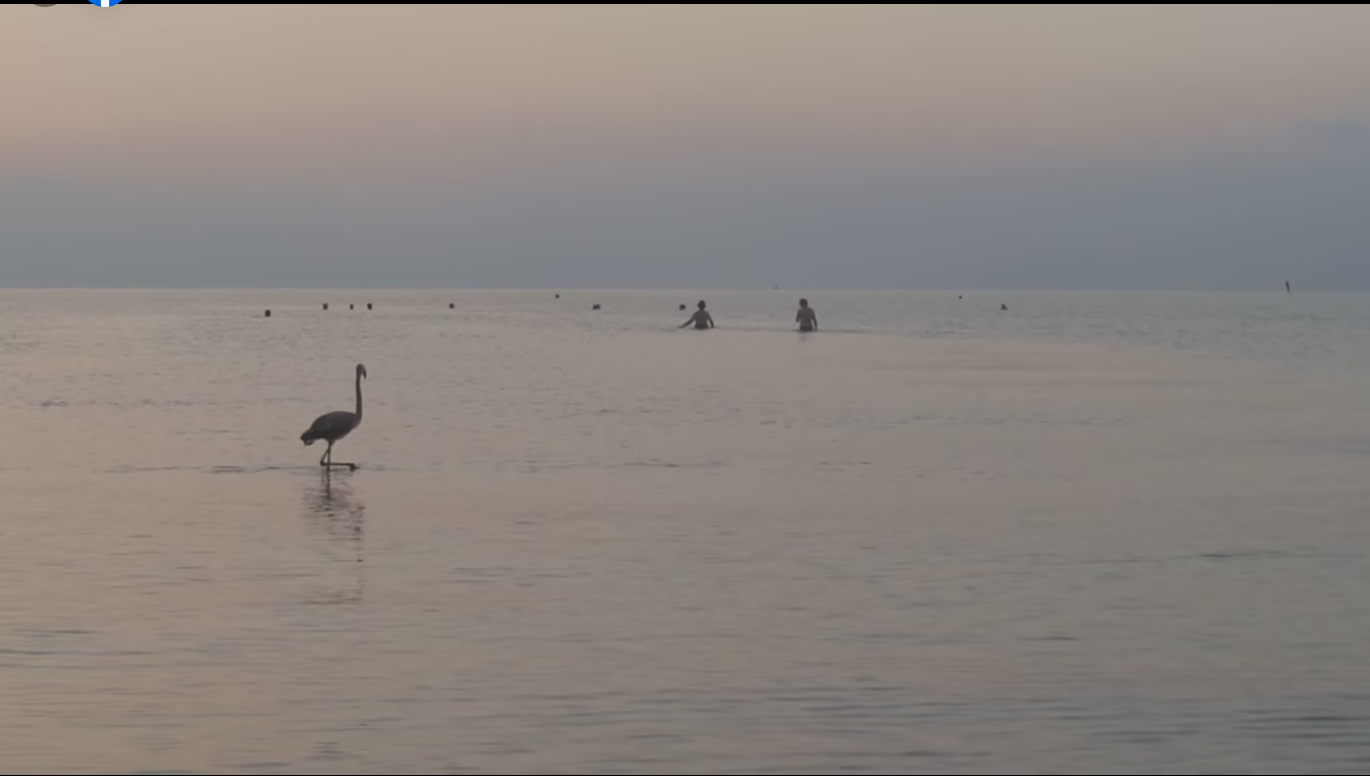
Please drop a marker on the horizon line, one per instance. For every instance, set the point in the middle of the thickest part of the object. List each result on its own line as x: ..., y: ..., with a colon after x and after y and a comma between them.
x: 686, y: 289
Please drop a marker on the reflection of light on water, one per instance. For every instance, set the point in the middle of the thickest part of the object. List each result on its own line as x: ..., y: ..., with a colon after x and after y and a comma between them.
x: 331, y: 507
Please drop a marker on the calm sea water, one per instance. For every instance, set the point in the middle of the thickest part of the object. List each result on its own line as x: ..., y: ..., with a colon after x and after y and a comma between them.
x: 1096, y: 533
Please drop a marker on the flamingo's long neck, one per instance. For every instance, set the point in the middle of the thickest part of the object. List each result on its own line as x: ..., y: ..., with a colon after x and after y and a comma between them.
x: 359, y: 397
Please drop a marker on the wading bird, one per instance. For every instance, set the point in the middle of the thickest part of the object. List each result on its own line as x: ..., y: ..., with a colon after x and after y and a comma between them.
x: 335, y: 425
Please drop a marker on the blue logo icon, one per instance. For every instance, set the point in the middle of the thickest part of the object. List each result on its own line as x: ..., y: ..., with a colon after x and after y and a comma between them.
x: 104, y: 3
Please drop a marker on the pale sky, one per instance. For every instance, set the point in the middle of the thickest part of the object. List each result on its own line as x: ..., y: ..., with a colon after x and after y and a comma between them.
x: 1049, y: 146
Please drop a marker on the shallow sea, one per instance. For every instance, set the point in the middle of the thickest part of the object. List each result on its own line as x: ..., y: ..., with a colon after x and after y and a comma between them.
x: 1094, y: 533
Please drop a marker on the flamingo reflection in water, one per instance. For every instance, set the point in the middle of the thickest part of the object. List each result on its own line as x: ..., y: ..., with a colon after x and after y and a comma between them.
x: 332, y: 508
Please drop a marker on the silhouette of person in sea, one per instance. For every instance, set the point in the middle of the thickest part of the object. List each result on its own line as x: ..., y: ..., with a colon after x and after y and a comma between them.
x: 701, y: 319
x: 807, y: 318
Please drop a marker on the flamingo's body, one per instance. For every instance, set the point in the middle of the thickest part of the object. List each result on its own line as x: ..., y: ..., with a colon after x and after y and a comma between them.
x: 333, y: 426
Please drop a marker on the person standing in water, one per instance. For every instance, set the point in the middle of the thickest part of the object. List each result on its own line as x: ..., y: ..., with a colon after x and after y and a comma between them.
x: 701, y: 319
x: 807, y: 318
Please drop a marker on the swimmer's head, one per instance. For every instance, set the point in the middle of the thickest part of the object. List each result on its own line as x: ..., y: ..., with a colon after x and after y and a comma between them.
x: 803, y: 303
x: 701, y: 304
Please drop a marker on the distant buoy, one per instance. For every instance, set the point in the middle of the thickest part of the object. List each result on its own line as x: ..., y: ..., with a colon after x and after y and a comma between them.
x: 325, y: 305
x: 596, y: 307
x: 558, y: 296
x: 451, y: 305
x: 352, y: 307
x: 268, y: 313
x: 682, y: 305
x: 368, y: 305
x: 1003, y: 307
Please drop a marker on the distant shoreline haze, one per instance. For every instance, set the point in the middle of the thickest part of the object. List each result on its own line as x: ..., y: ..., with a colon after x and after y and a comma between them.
x: 812, y: 147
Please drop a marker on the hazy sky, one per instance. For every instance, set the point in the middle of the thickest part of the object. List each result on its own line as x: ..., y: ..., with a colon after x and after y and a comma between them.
x: 1057, y: 146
